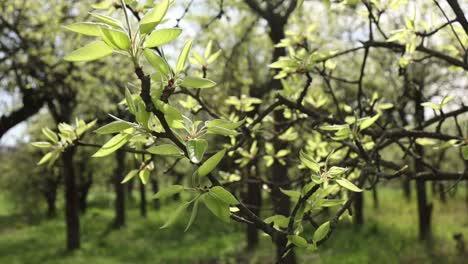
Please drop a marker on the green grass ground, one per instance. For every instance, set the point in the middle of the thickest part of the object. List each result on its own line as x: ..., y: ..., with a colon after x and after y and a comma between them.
x: 389, y: 236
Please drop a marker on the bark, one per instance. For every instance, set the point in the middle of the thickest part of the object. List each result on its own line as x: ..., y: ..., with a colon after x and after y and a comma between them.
x: 71, y: 201
x: 155, y: 188
x: 51, y: 198
x: 424, y: 209
x: 406, y: 184
x: 375, y: 197
x: 119, y: 189
x: 143, y: 210
x: 358, y: 207
x: 83, y: 191
x: 254, y: 203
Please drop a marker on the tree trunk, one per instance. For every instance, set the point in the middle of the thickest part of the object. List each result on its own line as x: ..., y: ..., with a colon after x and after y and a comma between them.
x: 375, y: 197
x: 71, y: 201
x: 51, y: 197
x: 424, y: 209
x: 143, y: 211
x: 254, y: 203
x: 83, y: 195
x: 358, y: 206
x: 406, y: 183
x: 119, y: 189
x: 442, y: 194
x: 155, y: 188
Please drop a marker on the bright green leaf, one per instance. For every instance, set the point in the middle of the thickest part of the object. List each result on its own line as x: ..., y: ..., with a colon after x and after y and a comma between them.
x: 183, y: 56
x: 162, y: 36
x: 211, y: 163
x: 130, y: 176
x: 165, y: 150
x: 115, y: 38
x: 224, y: 195
x: 86, y: 28
x: 168, y: 191
x: 196, y: 149
x: 197, y: 82
x: 112, y: 145
x: 219, y: 208
x: 114, y: 127
x: 153, y: 17
x: 93, y: 51
x: 321, y: 231
x: 177, y: 213
x: 348, y: 185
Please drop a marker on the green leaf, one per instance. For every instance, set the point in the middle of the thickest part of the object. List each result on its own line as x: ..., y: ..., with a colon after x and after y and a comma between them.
x: 86, y: 28
x: 169, y: 191
x: 221, y: 131
x: 183, y: 56
x: 115, y: 38
x: 50, y: 134
x: 144, y: 176
x: 426, y: 141
x: 214, y: 57
x: 196, y: 82
x: 291, y: 193
x: 193, y: 215
x: 309, y: 163
x: 165, y: 150
x: 42, y: 144
x: 298, y: 241
x: 130, y: 101
x: 196, y: 149
x: 369, y: 122
x: 153, y: 17
x: 337, y: 171
x: 219, y: 208
x: 211, y: 163
x: 112, y: 145
x: 162, y: 36
x: 46, y: 158
x: 279, y: 221
x: 348, y: 185
x: 157, y: 62
x: 321, y: 231
x: 465, y: 152
x: 177, y: 213
x: 107, y: 20
x: 224, y: 123
x: 431, y: 105
x: 208, y: 49
x: 224, y: 195
x: 129, y: 176
x: 93, y: 51
x: 114, y: 127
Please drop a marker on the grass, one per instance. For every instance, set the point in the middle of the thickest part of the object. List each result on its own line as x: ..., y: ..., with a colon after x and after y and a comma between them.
x: 388, y: 236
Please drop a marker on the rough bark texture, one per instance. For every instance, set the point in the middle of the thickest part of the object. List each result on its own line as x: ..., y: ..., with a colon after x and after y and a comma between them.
x: 358, y: 207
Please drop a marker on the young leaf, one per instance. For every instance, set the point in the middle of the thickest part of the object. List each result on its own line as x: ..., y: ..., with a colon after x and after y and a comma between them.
x: 369, y: 122
x: 93, y: 51
x: 41, y: 144
x: 221, y: 131
x: 214, y: 57
x: 309, y: 163
x: 162, y: 36
x: 224, y: 123
x: 177, y: 213
x: 211, y: 163
x: 112, y: 145
x: 217, y: 207
x: 193, y: 215
x: 153, y: 17
x: 183, y: 56
x: 115, y: 38
x: 298, y: 241
x: 224, y: 195
x: 165, y: 150
x: 348, y: 185
x: 130, y: 101
x: 144, y: 176
x: 321, y: 231
x: 465, y: 152
x: 196, y: 82
x: 157, y: 62
x: 129, y: 176
x: 86, y: 28
x: 108, y: 20
x: 50, y: 134
x: 196, y: 149
x: 169, y: 191
x: 46, y: 158
x: 114, y: 127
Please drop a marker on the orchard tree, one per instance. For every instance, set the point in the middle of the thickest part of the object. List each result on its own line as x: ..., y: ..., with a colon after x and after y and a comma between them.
x: 309, y: 128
